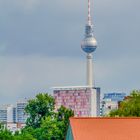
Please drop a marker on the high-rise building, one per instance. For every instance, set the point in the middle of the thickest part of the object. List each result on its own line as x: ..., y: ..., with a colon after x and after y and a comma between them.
x: 14, y: 114
x: 6, y: 113
x: 80, y: 99
x: 84, y: 101
x: 11, y: 114
x: 13, y: 117
x: 21, y: 115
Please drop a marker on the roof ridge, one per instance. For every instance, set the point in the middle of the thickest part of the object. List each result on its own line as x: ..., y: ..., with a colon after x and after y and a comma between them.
x: 105, y: 118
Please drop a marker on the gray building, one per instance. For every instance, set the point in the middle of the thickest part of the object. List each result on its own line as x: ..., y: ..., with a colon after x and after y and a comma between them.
x: 114, y: 96
x: 6, y: 113
x: 20, y: 112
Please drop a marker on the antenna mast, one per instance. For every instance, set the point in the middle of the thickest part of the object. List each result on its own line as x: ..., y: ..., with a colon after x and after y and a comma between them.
x: 89, y: 13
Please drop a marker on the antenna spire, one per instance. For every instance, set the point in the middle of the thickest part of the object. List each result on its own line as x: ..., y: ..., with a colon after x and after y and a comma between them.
x: 89, y: 13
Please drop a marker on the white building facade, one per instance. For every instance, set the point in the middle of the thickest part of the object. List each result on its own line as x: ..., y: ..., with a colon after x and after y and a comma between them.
x: 6, y: 113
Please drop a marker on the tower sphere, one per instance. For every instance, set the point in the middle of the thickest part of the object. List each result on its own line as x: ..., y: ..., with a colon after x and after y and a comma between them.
x: 89, y: 44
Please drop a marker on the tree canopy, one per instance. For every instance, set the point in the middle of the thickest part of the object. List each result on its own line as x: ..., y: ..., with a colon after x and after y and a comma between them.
x: 44, y: 122
x: 129, y: 107
x: 38, y: 108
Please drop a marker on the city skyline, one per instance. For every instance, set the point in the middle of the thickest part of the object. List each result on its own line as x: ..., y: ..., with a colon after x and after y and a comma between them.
x: 40, y: 46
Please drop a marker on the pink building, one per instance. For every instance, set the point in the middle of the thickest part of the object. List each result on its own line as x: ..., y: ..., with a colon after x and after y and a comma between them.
x: 79, y: 99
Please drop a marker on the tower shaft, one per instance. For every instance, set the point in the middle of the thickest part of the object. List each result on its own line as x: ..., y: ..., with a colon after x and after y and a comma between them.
x: 89, y: 70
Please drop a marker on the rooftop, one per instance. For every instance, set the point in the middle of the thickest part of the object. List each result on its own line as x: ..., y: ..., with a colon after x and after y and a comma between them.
x: 70, y: 87
x: 105, y: 128
x: 73, y: 88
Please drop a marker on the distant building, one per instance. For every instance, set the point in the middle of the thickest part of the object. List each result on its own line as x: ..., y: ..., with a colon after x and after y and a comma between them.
x: 84, y: 101
x: 12, y: 127
x: 111, y: 102
x: 13, y: 118
x: 20, y: 112
x: 14, y: 114
x: 114, y: 96
x: 108, y: 106
x: 6, y: 113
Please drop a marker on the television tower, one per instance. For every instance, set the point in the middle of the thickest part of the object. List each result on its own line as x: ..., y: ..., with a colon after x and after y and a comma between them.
x: 89, y: 45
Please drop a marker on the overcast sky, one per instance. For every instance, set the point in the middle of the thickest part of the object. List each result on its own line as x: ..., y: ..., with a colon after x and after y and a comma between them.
x: 40, y: 46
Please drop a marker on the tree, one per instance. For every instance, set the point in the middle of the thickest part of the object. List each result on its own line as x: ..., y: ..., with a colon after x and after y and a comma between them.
x: 44, y: 122
x: 54, y: 127
x: 63, y: 116
x: 50, y: 129
x: 26, y: 136
x: 5, y: 134
x: 128, y: 107
x: 38, y: 108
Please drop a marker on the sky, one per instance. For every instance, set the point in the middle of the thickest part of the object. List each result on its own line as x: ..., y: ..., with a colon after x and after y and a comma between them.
x: 40, y: 46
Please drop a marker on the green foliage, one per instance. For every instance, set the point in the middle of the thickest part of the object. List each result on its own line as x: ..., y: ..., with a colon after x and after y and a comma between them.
x: 5, y: 134
x: 26, y: 136
x: 54, y: 127
x: 50, y: 129
x: 38, y: 108
x: 63, y: 116
x: 44, y: 123
x: 129, y: 107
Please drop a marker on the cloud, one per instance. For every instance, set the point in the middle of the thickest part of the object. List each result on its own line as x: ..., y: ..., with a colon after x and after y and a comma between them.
x: 40, y: 45
x: 3, y: 48
x: 120, y: 74
x: 28, y: 3
x: 57, y: 28
x: 19, y: 5
x: 26, y: 76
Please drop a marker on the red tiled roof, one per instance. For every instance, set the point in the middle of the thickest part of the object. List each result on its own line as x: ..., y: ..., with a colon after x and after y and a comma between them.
x: 105, y: 128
